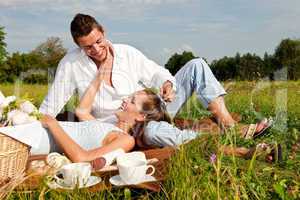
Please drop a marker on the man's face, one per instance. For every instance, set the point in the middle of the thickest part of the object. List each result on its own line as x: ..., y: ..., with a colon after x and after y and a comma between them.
x: 94, y: 45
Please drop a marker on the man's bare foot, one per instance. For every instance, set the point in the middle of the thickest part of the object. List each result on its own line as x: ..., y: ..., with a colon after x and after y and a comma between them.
x: 268, y: 152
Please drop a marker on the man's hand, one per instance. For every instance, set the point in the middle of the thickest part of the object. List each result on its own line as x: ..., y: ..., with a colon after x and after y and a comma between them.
x: 167, y: 92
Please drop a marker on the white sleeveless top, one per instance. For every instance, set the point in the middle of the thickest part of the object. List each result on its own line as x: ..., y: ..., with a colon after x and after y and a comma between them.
x: 88, y: 134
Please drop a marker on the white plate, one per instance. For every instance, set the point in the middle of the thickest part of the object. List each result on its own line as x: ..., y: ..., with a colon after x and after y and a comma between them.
x: 116, y: 180
x: 93, y: 180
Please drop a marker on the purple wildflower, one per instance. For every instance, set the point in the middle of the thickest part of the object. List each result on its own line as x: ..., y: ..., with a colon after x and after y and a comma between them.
x: 213, y: 158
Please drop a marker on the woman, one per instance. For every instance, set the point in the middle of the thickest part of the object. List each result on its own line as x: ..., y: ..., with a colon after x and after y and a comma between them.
x: 136, y: 111
x: 89, y: 140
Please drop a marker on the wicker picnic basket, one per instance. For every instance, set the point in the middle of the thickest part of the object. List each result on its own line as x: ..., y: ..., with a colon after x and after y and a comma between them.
x: 13, y: 157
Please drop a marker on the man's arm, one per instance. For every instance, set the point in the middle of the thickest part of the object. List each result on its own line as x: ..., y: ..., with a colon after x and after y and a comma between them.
x: 61, y: 90
x: 154, y: 75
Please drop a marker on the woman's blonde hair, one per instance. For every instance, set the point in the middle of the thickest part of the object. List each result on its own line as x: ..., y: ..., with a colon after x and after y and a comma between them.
x: 154, y: 109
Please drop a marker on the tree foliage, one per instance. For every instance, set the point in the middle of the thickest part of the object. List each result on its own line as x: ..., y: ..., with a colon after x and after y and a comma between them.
x: 50, y: 51
x: 3, y: 52
x: 176, y: 61
x: 33, y: 67
x: 287, y: 55
x: 252, y: 67
x: 226, y: 67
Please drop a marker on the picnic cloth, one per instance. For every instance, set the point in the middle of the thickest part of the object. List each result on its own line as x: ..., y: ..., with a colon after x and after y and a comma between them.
x: 20, y: 133
x: 162, y: 154
x: 87, y: 134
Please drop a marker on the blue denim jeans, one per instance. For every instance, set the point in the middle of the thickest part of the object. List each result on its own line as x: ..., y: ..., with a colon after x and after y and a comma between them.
x: 194, y: 76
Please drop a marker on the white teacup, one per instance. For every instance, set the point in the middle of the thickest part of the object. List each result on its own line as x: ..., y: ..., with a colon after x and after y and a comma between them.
x: 133, y: 167
x: 135, y: 155
x: 74, y: 174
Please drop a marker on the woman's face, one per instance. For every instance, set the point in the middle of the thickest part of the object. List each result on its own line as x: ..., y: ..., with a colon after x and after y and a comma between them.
x: 131, y: 108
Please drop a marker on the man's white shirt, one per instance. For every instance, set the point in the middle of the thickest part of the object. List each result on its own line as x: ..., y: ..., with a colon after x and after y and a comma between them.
x: 76, y: 71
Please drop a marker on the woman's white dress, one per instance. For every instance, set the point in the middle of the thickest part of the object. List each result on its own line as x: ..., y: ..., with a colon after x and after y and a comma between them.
x: 88, y: 134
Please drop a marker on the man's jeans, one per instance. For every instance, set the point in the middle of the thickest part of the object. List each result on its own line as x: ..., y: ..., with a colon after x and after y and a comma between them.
x: 194, y: 76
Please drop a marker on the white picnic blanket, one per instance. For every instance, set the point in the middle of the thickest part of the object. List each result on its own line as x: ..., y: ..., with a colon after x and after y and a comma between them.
x: 88, y: 134
x: 29, y: 134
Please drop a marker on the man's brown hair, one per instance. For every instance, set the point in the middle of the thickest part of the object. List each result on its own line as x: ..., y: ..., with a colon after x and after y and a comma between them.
x: 82, y: 25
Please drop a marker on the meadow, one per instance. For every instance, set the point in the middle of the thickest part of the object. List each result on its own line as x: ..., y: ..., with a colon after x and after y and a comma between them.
x: 192, y: 172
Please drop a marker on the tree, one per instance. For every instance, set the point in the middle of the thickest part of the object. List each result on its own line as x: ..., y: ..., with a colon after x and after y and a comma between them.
x: 33, y: 67
x: 3, y: 52
x: 270, y: 66
x: 50, y: 51
x: 224, y: 68
x: 16, y: 63
x: 287, y: 54
x: 176, y: 61
x: 250, y: 67
x: 245, y: 67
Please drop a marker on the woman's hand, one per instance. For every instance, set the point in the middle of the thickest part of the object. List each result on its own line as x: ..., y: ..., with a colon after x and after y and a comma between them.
x: 47, y: 121
x: 167, y: 92
x: 106, y: 66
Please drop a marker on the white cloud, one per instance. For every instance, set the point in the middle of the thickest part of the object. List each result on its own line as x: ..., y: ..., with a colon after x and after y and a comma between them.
x: 120, y: 34
x: 114, y: 9
x: 150, y: 1
x: 214, y: 28
x: 12, y: 3
x: 177, y: 49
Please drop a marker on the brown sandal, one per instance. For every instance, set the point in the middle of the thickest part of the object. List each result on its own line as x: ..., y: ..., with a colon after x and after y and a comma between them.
x: 251, y: 131
x: 98, y: 163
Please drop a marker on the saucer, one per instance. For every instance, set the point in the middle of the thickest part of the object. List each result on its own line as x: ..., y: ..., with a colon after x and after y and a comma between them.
x: 93, y: 180
x: 116, y: 180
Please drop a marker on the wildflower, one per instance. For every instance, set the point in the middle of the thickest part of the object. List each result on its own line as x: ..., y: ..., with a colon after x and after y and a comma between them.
x: 16, y: 112
x: 2, y: 97
x: 212, y: 158
x: 19, y: 117
x: 11, y: 114
x: 27, y: 107
x: 7, y: 101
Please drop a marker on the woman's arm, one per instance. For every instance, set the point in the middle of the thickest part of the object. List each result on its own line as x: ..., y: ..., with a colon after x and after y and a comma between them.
x: 122, y: 140
x: 83, y: 111
x: 78, y: 154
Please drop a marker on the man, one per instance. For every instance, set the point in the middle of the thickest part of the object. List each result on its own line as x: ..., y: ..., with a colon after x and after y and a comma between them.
x: 121, y: 65
x: 125, y: 70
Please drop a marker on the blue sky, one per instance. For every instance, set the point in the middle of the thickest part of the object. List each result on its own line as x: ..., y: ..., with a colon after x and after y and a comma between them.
x: 159, y: 28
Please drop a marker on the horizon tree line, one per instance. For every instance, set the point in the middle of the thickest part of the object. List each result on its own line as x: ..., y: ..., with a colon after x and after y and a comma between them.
x: 35, y: 66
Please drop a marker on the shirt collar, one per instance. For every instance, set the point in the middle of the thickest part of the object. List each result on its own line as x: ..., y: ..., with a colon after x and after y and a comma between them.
x: 117, y: 53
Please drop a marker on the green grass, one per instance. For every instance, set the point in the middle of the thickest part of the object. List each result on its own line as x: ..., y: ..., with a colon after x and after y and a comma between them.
x: 35, y: 92
x: 192, y: 175
x: 236, y: 178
